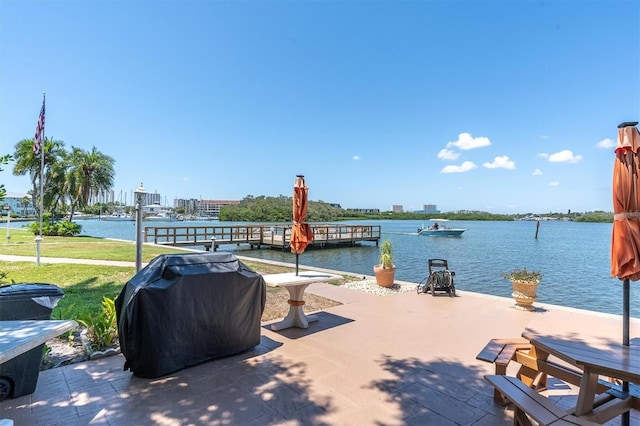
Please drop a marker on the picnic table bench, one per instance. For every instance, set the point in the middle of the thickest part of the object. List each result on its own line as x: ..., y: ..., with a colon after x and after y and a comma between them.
x: 578, y: 362
x: 529, y: 402
x: 501, y: 352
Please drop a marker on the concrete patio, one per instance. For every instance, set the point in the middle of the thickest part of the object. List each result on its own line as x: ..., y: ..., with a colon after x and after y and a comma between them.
x: 405, y: 359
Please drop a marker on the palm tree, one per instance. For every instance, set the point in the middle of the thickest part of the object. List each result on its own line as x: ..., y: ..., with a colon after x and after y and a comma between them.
x: 25, y: 203
x: 26, y: 162
x: 3, y: 160
x: 57, y: 190
x: 89, y: 173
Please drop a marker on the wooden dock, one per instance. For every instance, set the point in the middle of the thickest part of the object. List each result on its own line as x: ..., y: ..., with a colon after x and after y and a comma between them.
x: 257, y: 236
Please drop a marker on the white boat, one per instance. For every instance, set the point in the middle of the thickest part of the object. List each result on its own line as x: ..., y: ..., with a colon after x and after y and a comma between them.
x: 81, y: 216
x: 437, y: 230
x: 118, y: 215
x: 161, y: 216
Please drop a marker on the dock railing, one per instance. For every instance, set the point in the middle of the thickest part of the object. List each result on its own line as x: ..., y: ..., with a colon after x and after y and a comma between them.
x: 273, y: 236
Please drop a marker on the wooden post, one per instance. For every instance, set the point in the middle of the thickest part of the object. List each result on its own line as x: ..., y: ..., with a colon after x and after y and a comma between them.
x: 537, y: 227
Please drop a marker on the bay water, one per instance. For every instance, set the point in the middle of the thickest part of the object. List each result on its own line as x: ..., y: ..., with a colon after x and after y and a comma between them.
x: 573, y: 257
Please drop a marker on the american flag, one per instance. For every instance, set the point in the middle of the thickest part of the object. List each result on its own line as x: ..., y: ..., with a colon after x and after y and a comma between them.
x: 37, y: 141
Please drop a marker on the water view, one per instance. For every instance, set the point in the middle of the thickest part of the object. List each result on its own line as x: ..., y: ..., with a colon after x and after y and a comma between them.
x: 573, y: 257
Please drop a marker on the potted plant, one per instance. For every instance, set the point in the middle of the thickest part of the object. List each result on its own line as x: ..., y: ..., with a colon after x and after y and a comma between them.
x: 385, y: 270
x: 525, y: 283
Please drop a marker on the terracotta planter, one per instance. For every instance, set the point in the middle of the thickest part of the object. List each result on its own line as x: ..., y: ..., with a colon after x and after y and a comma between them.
x: 524, y: 293
x: 384, y: 277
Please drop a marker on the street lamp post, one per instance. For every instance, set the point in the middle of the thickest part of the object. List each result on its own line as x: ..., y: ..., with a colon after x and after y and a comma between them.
x: 139, y: 192
x: 8, y: 209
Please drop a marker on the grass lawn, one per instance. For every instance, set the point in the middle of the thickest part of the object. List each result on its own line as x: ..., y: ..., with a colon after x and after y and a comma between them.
x: 84, y: 286
x: 23, y: 244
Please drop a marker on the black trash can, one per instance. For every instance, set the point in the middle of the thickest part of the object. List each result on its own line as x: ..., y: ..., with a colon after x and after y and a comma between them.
x: 25, y: 301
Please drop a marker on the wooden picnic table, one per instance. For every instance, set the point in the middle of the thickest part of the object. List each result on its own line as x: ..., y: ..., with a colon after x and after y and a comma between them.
x: 18, y: 337
x: 296, y: 285
x: 612, y: 361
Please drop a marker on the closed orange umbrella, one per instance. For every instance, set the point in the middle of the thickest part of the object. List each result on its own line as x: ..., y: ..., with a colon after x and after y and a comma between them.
x: 625, y: 237
x: 625, y: 240
x: 301, y: 233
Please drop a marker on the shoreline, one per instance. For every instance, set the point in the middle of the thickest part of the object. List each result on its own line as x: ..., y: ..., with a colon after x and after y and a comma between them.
x: 538, y: 305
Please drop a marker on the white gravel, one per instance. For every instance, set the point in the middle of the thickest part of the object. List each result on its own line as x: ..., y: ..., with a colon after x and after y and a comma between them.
x: 371, y: 286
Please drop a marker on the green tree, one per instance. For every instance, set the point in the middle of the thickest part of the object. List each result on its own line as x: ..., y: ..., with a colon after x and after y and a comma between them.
x: 57, y: 189
x: 277, y: 209
x: 26, y: 162
x: 25, y: 203
x: 89, y: 173
x: 3, y: 192
x: 3, y: 161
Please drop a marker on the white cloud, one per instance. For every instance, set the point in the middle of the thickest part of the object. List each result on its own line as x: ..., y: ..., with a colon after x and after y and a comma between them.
x: 356, y: 157
x: 466, y: 141
x: 537, y: 172
x: 554, y: 183
x: 564, y: 156
x: 502, y: 162
x: 464, y: 167
x: 186, y: 179
x: 606, y: 143
x: 447, y: 154
x: 545, y: 137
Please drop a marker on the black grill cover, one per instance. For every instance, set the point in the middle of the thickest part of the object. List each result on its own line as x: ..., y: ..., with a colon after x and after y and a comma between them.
x: 184, y: 309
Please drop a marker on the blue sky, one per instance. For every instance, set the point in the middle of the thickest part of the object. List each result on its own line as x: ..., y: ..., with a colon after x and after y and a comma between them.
x: 506, y: 107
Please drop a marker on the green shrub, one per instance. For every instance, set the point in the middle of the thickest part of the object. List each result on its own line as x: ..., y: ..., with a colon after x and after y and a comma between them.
x: 45, y: 354
x: 522, y: 275
x: 68, y: 229
x: 63, y: 228
x: 386, y: 254
x: 102, y: 329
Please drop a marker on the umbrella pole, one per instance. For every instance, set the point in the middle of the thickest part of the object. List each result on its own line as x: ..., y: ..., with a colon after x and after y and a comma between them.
x: 297, y: 275
x: 625, y: 312
x: 624, y: 420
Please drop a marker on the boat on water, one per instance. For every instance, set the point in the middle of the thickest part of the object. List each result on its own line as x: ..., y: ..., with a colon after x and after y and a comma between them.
x: 438, y: 230
x: 160, y: 216
x: 118, y: 216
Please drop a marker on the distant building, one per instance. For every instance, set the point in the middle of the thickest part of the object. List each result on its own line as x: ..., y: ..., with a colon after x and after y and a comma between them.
x: 397, y: 208
x: 190, y: 205
x: 102, y: 197
x: 148, y: 199
x: 428, y: 209
x: 211, y: 208
x: 364, y: 210
x: 14, y: 201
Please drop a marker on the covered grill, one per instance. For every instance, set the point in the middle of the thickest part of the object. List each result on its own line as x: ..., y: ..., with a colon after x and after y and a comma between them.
x: 185, y: 309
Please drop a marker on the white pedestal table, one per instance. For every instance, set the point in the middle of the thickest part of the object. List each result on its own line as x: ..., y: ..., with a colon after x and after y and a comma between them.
x: 296, y: 285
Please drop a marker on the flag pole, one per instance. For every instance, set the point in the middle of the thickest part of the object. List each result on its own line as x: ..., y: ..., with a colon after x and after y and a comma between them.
x: 42, y: 143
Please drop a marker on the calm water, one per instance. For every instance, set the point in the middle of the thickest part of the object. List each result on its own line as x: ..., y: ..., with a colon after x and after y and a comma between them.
x: 573, y: 257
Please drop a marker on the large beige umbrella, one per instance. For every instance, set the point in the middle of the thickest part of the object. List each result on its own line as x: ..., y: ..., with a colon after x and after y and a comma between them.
x: 625, y: 237
x: 301, y: 233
